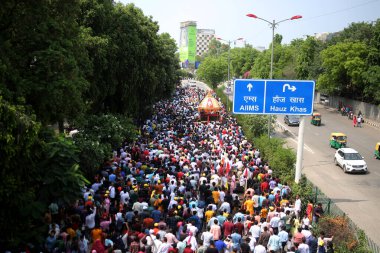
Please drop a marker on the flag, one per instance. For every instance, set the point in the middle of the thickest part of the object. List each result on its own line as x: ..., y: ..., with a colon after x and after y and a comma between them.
x: 220, y: 172
x: 228, y: 169
x: 245, y: 172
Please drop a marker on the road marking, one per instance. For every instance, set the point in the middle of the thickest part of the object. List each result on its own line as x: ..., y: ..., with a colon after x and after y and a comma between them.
x: 305, y: 146
x: 295, y: 137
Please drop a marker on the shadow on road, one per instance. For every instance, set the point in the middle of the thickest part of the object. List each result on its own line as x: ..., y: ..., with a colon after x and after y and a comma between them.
x: 347, y: 200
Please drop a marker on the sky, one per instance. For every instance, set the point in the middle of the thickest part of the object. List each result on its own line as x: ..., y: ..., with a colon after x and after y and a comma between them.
x: 228, y: 17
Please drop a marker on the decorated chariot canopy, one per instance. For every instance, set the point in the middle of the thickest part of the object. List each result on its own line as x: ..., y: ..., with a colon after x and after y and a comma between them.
x: 209, y: 104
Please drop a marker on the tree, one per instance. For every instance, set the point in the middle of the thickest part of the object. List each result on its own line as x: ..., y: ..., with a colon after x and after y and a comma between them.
x: 344, y: 65
x: 242, y: 60
x: 97, y: 136
x: 355, y: 32
x: 37, y: 167
x: 308, y: 64
x: 133, y: 66
x: 46, y: 58
x: 216, y: 48
x: 213, y: 70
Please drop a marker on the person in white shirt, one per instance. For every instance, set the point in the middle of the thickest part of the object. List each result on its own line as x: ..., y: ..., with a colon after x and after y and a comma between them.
x: 136, y: 206
x: 306, y: 232
x: 305, y: 221
x: 274, y: 222
x: 156, y: 243
x: 225, y: 206
x: 297, y: 206
x: 255, y: 230
x: 90, y: 219
x: 206, y: 237
x: 260, y: 249
x: 192, y: 241
x: 303, y: 247
x: 124, y: 197
x: 164, y: 247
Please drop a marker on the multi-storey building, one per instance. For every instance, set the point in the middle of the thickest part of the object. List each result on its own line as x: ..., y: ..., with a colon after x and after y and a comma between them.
x: 204, y: 36
x: 188, y: 42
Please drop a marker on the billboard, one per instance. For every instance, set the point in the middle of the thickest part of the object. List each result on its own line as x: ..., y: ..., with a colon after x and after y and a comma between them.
x: 188, y: 43
x: 192, y: 43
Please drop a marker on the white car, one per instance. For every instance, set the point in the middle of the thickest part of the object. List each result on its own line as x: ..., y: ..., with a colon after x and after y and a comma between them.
x: 350, y: 160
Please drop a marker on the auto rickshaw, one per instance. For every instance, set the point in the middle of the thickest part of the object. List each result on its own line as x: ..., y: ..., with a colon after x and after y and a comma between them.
x: 316, y: 119
x: 338, y: 140
x: 377, y: 150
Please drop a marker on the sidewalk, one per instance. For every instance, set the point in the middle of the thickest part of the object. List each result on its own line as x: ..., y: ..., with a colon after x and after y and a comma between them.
x: 366, y: 121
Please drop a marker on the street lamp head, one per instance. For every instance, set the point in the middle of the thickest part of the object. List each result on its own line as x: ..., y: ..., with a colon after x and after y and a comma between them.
x: 240, y: 39
x: 296, y: 17
x: 251, y: 15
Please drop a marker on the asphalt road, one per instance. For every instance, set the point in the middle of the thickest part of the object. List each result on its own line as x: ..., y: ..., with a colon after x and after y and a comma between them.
x: 357, y: 195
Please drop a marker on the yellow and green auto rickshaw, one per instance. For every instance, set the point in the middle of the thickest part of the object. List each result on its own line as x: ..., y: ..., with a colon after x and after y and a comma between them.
x: 377, y: 150
x: 338, y: 140
x: 316, y: 119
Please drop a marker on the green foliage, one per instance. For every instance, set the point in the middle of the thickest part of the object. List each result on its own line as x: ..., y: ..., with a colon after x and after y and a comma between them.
x: 19, y: 152
x: 255, y: 125
x: 355, y: 32
x: 242, y: 60
x: 133, y: 66
x: 344, y: 65
x: 37, y: 168
x: 281, y: 159
x: 308, y: 65
x: 213, y: 70
x: 216, y: 48
x: 44, y: 61
x: 61, y: 172
x: 98, y: 135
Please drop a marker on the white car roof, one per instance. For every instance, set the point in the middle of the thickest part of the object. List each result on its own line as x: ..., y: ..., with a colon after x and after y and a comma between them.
x: 348, y: 150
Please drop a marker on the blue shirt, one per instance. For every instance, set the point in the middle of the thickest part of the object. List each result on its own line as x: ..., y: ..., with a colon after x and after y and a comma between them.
x: 284, y: 237
x: 274, y: 242
x: 156, y: 215
x: 236, y: 240
x: 220, y: 245
x: 238, y: 215
x: 112, y: 178
x: 221, y: 219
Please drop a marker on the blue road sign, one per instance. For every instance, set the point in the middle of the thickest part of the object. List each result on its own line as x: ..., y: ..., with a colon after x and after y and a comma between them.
x: 273, y: 97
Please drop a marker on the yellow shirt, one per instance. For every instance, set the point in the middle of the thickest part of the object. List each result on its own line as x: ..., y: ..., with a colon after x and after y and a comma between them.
x: 215, y: 195
x: 264, y: 213
x: 249, y: 203
x: 209, y: 214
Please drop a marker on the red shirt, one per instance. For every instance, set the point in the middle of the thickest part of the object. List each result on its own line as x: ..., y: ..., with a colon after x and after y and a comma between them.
x: 240, y: 227
x: 180, y: 175
x: 188, y: 250
x: 264, y: 186
x: 228, y: 227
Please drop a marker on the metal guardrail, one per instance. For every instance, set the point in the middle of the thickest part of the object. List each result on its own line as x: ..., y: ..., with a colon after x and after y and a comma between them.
x: 332, y: 209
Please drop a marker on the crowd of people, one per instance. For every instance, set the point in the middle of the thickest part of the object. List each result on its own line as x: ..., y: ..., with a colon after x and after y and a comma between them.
x: 186, y: 186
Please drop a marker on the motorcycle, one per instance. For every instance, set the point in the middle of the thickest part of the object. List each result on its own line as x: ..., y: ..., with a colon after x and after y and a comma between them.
x: 350, y: 115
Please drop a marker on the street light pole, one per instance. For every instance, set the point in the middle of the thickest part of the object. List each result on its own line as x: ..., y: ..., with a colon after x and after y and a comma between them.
x: 273, y: 26
x: 228, y: 76
x: 228, y: 64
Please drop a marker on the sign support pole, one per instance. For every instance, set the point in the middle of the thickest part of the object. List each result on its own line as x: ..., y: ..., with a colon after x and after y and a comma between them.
x: 300, y: 142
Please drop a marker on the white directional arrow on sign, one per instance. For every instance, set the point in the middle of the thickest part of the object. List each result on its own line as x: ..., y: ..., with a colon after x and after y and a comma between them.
x: 249, y: 86
x: 291, y: 88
